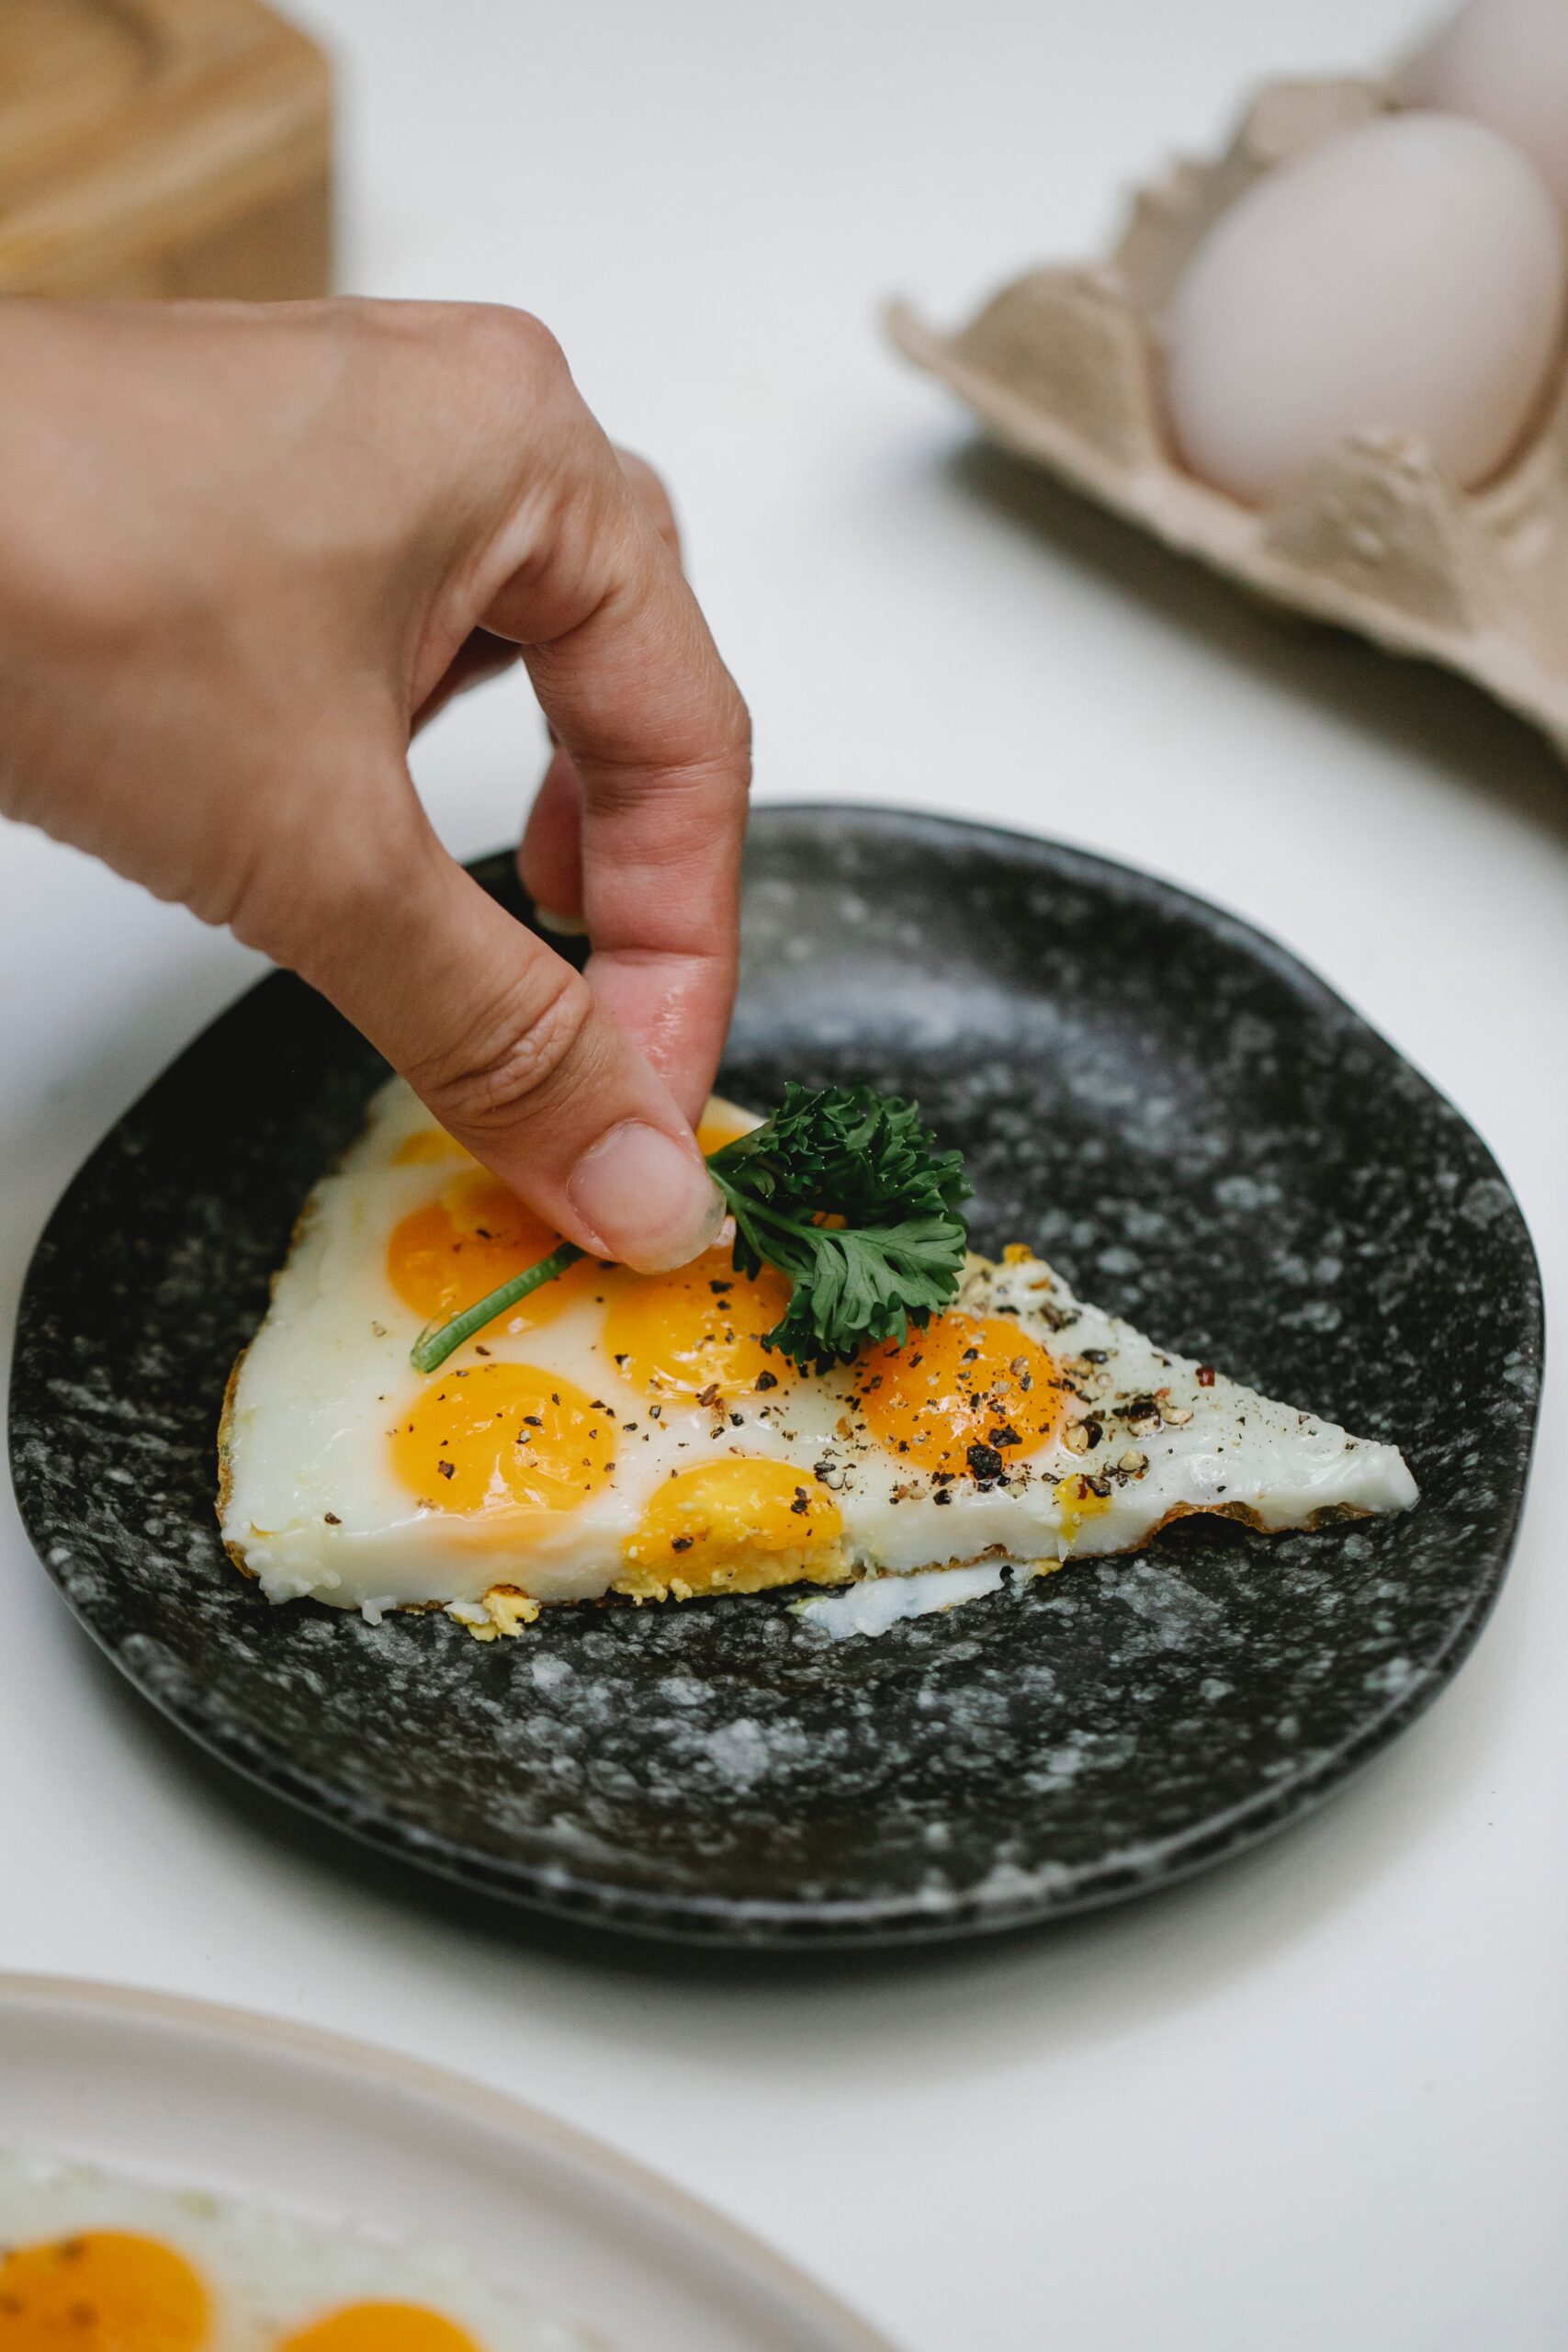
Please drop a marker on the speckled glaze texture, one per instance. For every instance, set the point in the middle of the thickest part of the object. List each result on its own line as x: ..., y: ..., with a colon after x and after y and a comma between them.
x: 1189, y: 1124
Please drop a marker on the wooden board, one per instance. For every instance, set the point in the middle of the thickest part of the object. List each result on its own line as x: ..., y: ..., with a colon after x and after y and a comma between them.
x: 156, y: 147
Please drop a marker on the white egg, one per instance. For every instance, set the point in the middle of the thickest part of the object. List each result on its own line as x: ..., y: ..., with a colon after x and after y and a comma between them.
x: 1504, y: 63
x: 877, y: 1602
x: 93, y: 2260
x: 1406, y: 276
x: 632, y: 1434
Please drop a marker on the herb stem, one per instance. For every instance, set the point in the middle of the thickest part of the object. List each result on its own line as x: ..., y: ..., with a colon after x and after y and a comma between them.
x: 438, y: 1340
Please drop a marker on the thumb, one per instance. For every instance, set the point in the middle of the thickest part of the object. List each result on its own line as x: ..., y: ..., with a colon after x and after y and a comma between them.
x: 507, y: 1045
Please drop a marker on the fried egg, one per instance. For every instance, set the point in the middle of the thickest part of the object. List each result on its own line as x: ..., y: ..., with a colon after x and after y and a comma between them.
x: 95, y: 2263
x: 633, y: 1434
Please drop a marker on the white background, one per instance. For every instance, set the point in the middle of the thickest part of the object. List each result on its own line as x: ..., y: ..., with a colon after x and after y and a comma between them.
x: 1317, y: 2099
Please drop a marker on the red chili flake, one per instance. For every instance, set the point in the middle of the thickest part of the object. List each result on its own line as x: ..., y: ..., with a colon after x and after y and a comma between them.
x: 708, y: 1397
x: 1205, y: 1376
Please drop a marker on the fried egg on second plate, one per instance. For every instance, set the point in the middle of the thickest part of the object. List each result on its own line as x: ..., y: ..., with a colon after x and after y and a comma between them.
x: 91, y: 2262
x: 626, y: 1433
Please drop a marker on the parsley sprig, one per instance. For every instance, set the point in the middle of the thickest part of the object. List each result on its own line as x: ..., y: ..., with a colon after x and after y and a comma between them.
x: 894, y: 1251
x: 844, y: 1191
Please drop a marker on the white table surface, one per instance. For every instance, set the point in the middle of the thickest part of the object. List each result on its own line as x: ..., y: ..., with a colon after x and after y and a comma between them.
x: 1318, y: 2097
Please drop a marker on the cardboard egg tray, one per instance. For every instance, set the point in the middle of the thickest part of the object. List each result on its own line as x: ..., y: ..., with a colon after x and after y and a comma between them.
x: 1062, y: 366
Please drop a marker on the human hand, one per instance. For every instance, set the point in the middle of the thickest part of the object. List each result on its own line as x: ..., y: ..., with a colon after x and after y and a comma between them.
x: 251, y: 550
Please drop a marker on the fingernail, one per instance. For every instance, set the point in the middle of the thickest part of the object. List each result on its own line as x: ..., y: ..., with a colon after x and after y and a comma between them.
x: 564, y: 926
x: 648, y: 1198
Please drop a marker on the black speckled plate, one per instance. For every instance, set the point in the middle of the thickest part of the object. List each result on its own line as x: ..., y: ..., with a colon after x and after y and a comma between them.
x: 1198, y: 1132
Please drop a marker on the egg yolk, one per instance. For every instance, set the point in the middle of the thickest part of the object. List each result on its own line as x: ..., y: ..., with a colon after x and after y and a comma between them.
x: 382, y: 2327
x: 428, y: 1146
x: 720, y: 1124
x: 104, y: 2291
x: 1079, y: 1499
x: 503, y: 1438
x: 475, y: 1236
x: 719, y: 1515
x: 700, y: 1327
x: 968, y: 1388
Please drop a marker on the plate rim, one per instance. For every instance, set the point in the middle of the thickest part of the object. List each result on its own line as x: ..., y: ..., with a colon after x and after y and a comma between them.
x: 1056, y: 1891
x: 378, y: 2066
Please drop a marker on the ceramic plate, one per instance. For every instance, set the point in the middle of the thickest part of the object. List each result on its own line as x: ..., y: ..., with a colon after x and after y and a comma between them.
x: 194, y: 2096
x: 1201, y: 1134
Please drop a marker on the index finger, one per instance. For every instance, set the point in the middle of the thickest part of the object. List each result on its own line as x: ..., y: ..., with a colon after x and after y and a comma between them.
x: 634, y: 690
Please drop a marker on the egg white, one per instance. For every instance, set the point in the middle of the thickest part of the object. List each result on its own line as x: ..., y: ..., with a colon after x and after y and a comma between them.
x: 311, y: 1506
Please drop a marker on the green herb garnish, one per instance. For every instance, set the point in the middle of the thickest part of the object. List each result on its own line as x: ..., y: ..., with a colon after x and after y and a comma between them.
x: 847, y: 1153
x: 892, y: 1255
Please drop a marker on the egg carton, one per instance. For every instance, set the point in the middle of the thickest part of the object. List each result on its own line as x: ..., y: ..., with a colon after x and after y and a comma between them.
x: 1062, y: 366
